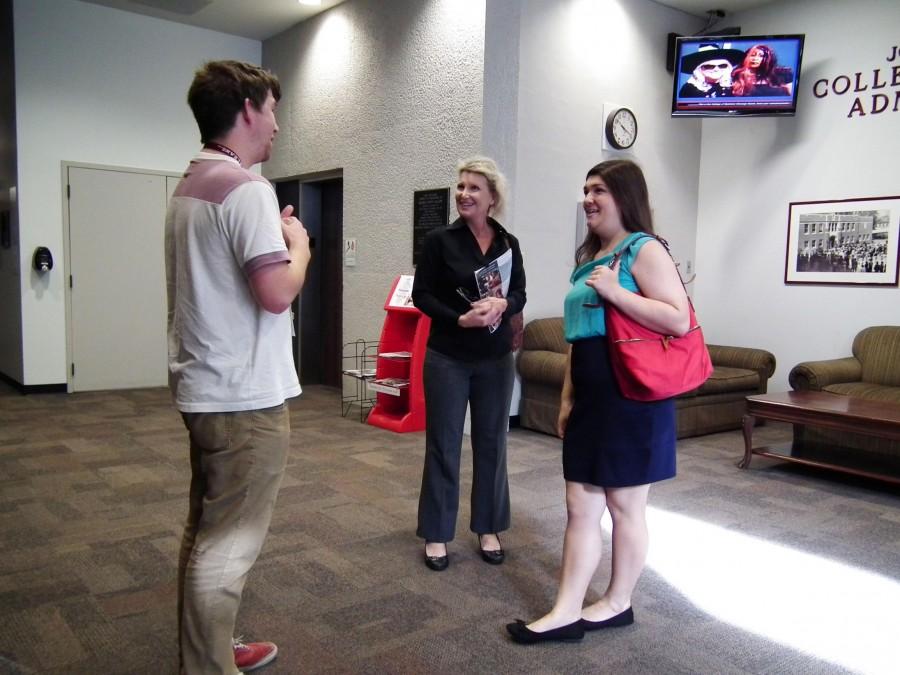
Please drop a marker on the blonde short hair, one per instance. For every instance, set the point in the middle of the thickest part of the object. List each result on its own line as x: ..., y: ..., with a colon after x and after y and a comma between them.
x: 496, y: 181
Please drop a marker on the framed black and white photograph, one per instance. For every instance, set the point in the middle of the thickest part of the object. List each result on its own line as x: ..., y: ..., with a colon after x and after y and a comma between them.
x: 843, y: 241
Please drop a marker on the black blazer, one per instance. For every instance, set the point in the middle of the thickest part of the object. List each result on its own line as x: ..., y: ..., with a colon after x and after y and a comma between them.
x: 449, y: 259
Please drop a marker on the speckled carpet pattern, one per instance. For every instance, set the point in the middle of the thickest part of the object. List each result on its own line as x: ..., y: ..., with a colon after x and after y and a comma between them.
x: 93, y: 493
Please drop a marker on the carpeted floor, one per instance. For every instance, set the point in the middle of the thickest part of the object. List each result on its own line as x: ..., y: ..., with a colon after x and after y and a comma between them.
x: 93, y: 490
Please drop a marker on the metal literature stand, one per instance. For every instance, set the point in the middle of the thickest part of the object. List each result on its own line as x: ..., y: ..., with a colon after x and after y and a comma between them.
x: 358, y: 363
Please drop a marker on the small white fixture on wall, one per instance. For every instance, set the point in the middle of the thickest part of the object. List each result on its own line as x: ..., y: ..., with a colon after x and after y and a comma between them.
x: 350, y: 252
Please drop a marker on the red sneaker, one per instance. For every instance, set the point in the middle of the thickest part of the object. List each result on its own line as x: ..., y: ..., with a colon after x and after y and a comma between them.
x: 252, y: 655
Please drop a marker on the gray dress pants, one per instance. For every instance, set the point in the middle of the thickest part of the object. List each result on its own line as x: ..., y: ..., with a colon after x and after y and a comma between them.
x: 451, y: 385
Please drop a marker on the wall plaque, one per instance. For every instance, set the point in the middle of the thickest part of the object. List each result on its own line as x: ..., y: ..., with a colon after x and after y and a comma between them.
x: 431, y: 210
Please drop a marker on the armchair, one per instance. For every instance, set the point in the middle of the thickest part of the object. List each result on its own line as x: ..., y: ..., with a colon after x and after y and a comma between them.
x: 873, y: 372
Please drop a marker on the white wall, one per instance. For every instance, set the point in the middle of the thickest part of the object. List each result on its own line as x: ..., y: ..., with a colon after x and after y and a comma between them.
x: 101, y: 86
x: 389, y: 92
x: 574, y: 56
x: 500, y: 114
x: 549, y: 69
x: 751, y: 169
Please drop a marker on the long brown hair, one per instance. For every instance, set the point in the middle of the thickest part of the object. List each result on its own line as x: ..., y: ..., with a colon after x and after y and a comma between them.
x: 745, y: 78
x: 626, y: 184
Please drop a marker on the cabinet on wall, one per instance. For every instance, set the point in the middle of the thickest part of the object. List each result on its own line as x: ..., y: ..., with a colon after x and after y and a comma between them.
x: 399, y: 395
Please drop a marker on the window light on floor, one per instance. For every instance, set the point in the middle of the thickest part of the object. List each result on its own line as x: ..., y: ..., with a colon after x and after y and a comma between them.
x: 833, y: 611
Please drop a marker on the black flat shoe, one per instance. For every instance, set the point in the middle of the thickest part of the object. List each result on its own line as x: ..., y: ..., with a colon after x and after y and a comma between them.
x: 491, y: 557
x: 520, y: 633
x: 438, y: 563
x: 625, y: 618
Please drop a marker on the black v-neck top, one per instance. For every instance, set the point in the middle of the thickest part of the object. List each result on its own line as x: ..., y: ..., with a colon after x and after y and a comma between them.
x: 449, y: 259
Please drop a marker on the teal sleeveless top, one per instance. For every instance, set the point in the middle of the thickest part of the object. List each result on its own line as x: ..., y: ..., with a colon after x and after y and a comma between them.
x: 581, y: 322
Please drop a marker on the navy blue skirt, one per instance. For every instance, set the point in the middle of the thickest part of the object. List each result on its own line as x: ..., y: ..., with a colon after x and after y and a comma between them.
x: 611, y: 441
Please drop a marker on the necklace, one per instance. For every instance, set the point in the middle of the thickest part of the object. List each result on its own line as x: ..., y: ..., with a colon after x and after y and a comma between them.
x: 223, y: 149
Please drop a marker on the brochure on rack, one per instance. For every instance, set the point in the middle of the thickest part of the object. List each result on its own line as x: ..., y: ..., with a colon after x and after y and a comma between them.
x: 395, y: 355
x: 492, y: 280
x: 402, y: 296
x: 360, y: 373
x: 389, y: 385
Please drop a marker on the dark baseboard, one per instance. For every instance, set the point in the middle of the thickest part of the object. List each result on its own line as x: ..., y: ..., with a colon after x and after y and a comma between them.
x: 45, y: 389
x: 514, y: 422
x: 34, y: 388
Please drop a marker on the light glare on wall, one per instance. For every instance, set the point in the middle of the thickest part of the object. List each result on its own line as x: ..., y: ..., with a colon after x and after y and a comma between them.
x: 311, y: 3
x: 599, y: 29
x: 330, y: 49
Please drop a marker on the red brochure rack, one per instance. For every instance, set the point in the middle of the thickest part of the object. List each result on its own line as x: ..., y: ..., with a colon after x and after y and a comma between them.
x: 400, y: 398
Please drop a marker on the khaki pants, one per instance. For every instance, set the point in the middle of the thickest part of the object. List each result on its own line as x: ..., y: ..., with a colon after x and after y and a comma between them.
x: 237, y: 462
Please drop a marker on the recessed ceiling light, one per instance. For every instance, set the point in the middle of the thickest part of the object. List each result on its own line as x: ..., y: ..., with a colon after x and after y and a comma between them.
x: 314, y: 3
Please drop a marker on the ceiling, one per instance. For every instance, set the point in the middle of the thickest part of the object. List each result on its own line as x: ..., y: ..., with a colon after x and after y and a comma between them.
x: 254, y: 19
x: 261, y: 19
x: 702, y: 7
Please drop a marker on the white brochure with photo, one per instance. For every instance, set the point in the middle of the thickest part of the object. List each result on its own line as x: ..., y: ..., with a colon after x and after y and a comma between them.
x: 492, y: 280
x: 402, y: 296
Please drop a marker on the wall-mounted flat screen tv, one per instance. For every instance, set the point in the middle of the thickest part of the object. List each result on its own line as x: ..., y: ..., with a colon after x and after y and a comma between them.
x: 725, y: 76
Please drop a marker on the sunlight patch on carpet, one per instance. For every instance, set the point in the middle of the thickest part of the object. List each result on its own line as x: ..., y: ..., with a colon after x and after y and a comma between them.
x: 838, y: 613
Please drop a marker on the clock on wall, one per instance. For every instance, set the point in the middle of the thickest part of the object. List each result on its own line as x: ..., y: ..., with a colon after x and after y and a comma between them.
x: 621, y: 128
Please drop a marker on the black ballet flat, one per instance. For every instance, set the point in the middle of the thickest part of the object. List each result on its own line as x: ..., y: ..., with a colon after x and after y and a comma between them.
x: 520, y: 633
x: 438, y: 563
x: 492, y: 557
x: 625, y: 618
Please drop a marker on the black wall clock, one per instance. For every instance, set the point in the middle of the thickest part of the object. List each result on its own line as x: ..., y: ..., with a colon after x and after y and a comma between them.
x: 621, y: 128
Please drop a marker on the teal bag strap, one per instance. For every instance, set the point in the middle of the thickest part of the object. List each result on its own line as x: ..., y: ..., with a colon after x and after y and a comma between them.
x: 618, y: 254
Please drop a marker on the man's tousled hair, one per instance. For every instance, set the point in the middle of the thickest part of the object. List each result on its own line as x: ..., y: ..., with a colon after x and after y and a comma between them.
x: 219, y: 90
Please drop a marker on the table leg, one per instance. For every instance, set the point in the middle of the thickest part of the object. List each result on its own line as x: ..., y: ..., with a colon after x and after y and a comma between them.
x: 748, y: 441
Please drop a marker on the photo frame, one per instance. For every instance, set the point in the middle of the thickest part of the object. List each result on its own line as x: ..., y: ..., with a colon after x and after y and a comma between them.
x: 843, y: 241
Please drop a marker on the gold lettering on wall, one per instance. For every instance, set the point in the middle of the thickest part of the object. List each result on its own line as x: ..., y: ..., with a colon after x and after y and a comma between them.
x: 864, y: 81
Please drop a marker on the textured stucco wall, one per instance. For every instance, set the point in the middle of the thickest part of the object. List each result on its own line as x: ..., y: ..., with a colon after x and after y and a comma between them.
x: 391, y: 94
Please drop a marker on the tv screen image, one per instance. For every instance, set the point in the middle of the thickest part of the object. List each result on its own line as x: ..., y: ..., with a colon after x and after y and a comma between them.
x: 736, y: 75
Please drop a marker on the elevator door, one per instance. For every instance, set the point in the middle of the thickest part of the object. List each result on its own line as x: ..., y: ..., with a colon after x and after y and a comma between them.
x: 319, y: 309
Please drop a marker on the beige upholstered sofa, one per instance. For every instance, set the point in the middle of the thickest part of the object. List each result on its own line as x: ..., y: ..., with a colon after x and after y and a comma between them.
x: 872, y: 372
x: 716, y: 406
